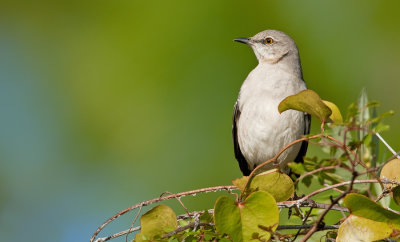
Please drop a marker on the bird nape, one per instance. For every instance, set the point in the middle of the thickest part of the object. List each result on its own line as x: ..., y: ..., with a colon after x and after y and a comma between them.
x: 259, y: 130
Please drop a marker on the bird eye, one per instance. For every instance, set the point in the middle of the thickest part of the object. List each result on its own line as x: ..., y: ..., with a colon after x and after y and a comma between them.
x: 268, y: 41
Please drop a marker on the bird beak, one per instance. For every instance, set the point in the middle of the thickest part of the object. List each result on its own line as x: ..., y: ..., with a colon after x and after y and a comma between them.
x: 246, y: 41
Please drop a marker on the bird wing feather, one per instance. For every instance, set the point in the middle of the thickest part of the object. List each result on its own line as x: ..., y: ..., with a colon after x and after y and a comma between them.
x: 238, y: 153
x: 304, y: 144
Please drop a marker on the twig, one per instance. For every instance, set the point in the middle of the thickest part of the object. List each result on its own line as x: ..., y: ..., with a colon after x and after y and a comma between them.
x: 178, y: 199
x: 316, y: 225
x: 285, y: 204
x: 324, y: 168
x: 304, y: 222
x: 310, y: 204
x: 133, y: 222
x: 273, y: 159
x: 393, y: 156
x: 142, y: 204
x: 302, y: 202
x: 337, y: 185
x: 125, y: 232
x: 306, y: 226
x: 342, y: 145
x: 191, y: 225
x: 388, y: 146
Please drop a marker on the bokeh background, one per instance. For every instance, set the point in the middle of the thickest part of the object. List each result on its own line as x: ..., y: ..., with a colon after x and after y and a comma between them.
x: 108, y: 103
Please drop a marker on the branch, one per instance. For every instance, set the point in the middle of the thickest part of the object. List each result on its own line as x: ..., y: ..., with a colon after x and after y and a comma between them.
x: 285, y: 204
x: 310, y: 204
x: 301, y: 202
x: 385, y: 181
x: 316, y: 225
x: 388, y: 146
x: 341, y: 144
x: 273, y: 159
x: 125, y: 232
x: 191, y: 225
x: 159, y: 199
x: 306, y: 226
x: 324, y: 168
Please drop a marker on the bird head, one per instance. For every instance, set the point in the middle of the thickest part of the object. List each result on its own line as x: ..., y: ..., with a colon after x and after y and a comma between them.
x: 272, y: 46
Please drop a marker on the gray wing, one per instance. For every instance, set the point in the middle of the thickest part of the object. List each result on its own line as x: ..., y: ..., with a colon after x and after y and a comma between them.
x: 304, y: 144
x: 238, y: 153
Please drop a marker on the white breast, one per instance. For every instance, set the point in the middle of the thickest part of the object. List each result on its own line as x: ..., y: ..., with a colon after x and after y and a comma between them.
x: 262, y: 131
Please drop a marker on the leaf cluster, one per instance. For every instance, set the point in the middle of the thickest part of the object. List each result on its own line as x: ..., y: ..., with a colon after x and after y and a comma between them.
x: 254, y: 212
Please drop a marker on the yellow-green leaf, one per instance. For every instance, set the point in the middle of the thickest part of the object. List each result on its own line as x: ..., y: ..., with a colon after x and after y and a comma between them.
x: 256, y: 217
x: 156, y: 222
x: 240, y: 182
x: 362, y: 206
x: 391, y: 171
x: 356, y: 228
x: 396, y: 195
x: 336, y: 116
x: 306, y: 101
x: 278, y: 184
x: 227, y: 218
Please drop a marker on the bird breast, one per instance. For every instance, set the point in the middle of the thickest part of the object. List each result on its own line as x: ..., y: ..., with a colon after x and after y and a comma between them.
x: 262, y: 130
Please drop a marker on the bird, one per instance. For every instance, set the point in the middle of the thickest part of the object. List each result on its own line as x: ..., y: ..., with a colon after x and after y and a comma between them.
x: 259, y: 130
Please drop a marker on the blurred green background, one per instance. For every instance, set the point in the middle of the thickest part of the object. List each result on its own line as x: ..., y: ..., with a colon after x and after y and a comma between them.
x: 108, y: 103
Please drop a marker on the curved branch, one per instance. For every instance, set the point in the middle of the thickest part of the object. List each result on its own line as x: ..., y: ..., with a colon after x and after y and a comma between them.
x: 301, y: 202
x: 317, y: 223
x: 273, y: 159
x: 159, y: 199
x: 285, y: 204
x: 385, y: 181
x: 324, y: 168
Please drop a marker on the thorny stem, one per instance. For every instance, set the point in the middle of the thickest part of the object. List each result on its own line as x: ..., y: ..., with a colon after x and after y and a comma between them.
x: 352, y: 156
x: 301, y: 202
x: 191, y: 225
x: 316, y: 225
x: 159, y: 199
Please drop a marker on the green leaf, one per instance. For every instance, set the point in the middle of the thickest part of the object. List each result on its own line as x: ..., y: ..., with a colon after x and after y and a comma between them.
x: 297, y: 168
x: 156, y: 222
x: 364, y: 114
x: 381, y: 116
x: 352, y: 111
x: 307, y: 181
x: 206, y: 217
x: 396, y: 195
x: 336, y: 116
x: 362, y: 206
x: 356, y: 228
x: 227, y: 218
x: 278, y: 184
x: 306, y: 101
x: 380, y: 127
x: 207, y: 237
x: 257, y: 216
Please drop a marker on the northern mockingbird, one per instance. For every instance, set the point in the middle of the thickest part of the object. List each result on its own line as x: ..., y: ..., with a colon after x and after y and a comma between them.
x: 259, y: 130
